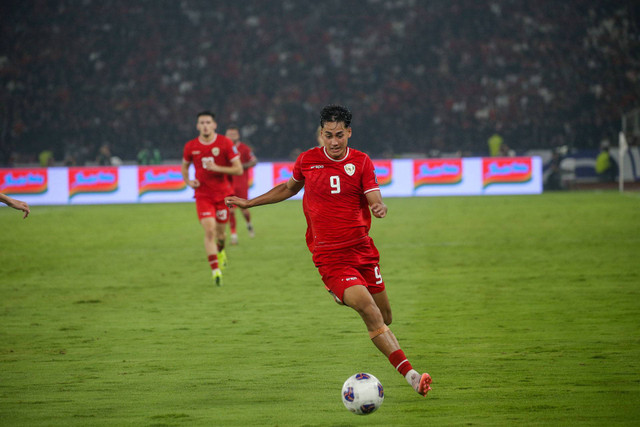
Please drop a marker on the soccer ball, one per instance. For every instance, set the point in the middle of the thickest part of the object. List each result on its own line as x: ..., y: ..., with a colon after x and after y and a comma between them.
x: 362, y: 393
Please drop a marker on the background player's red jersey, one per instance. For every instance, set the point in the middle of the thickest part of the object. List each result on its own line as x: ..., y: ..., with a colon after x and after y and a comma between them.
x: 334, y: 199
x: 241, y: 182
x: 213, y: 185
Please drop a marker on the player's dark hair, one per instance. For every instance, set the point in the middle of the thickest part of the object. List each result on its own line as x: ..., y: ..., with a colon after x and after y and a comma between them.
x: 206, y: 113
x: 335, y: 113
x: 234, y: 127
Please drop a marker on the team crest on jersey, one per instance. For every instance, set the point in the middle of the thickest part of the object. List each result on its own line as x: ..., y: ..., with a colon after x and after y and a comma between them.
x: 350, y: 169
x: 215, y: 151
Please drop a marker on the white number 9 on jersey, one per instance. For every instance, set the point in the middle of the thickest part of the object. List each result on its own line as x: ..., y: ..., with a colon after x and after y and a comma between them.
x: 334, y: 181
x: 205, y: 160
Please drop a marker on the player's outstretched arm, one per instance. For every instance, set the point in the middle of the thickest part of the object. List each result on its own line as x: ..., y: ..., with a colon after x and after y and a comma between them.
x: 378, y: 208
x: 276, y: 194
x: 15, y: 204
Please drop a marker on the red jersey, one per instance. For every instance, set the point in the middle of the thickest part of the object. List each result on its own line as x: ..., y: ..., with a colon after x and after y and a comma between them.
x: 242, y: 181
x: 334, y: 200
x: 213, y: 185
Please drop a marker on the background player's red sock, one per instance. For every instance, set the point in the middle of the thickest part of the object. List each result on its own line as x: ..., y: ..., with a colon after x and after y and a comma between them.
x: 232, y: 223
x: 220, y: 244
x: 400, y: 362
x: 213, y: 261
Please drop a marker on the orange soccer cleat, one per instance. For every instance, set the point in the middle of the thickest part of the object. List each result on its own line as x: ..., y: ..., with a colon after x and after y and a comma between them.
x: 424, y: 384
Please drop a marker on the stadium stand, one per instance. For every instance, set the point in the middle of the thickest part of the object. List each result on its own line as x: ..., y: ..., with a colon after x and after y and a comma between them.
x: 421, y: 77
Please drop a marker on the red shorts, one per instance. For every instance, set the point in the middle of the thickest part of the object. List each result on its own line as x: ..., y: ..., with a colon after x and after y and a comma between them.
x: 346, y: 267
x: 208, y: 208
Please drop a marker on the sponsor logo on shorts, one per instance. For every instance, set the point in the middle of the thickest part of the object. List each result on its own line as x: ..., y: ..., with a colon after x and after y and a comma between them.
x: 205, y: 213
x: 317, y: 167
x: 221, y: 214
x: 349, y: 279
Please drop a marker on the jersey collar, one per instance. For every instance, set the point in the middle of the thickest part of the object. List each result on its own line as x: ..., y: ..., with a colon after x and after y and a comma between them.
x: 324, y: 150
x: 215, y: 138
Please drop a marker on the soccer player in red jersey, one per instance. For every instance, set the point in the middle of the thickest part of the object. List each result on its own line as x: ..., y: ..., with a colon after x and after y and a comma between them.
x: 241, y: 182
x: 215, y: 158
x: 341, y: 193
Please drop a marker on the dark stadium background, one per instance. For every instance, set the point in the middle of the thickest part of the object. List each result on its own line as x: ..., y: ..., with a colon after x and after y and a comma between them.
x: 421, y: 77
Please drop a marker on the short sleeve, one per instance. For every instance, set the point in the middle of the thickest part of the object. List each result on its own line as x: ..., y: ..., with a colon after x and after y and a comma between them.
x: 232, y: 150
x: 369, y: 179
x: 297, y: 169
x: 186, y: 153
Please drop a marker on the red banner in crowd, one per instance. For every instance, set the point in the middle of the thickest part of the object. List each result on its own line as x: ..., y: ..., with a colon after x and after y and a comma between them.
x: 505, y: 170
x: 250, y: 172
x: 282, y: 172
x: 384, y: 171
x: 437, y: 172
x: 24, y: 181
x: 160, y: 178
x: 84, y: 180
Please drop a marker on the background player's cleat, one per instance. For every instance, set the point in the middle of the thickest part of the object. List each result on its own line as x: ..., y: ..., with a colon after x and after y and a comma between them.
x: 222, y: 258
x: 424, y: 385
x: 250, y: 230
x: 234, y: 239
x: 217, y: 277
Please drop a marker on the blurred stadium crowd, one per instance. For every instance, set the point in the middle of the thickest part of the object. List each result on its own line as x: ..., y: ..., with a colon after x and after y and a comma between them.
x: 422, y: 77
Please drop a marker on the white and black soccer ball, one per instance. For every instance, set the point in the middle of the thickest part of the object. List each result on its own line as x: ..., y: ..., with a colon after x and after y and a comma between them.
x: 362, y: 393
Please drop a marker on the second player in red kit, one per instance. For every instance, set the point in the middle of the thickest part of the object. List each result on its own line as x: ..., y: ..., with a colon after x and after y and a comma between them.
x: 214, y: 158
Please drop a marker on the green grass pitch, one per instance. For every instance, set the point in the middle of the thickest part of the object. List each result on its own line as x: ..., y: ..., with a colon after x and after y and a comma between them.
x: 524, y: 309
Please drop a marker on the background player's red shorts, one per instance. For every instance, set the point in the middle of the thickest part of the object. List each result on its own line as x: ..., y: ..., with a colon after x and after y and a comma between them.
x: 346, y: 267
x: 208, y: 208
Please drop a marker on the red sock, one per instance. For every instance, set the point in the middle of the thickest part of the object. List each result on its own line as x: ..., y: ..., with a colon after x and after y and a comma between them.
x: 213, y: 261
x: 232, y: 223
x: 220, y: 245
x: 247, y: 215
x: 400, y: 362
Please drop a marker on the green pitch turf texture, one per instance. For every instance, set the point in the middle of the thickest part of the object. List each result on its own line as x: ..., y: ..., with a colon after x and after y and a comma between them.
x: 524, y: 309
